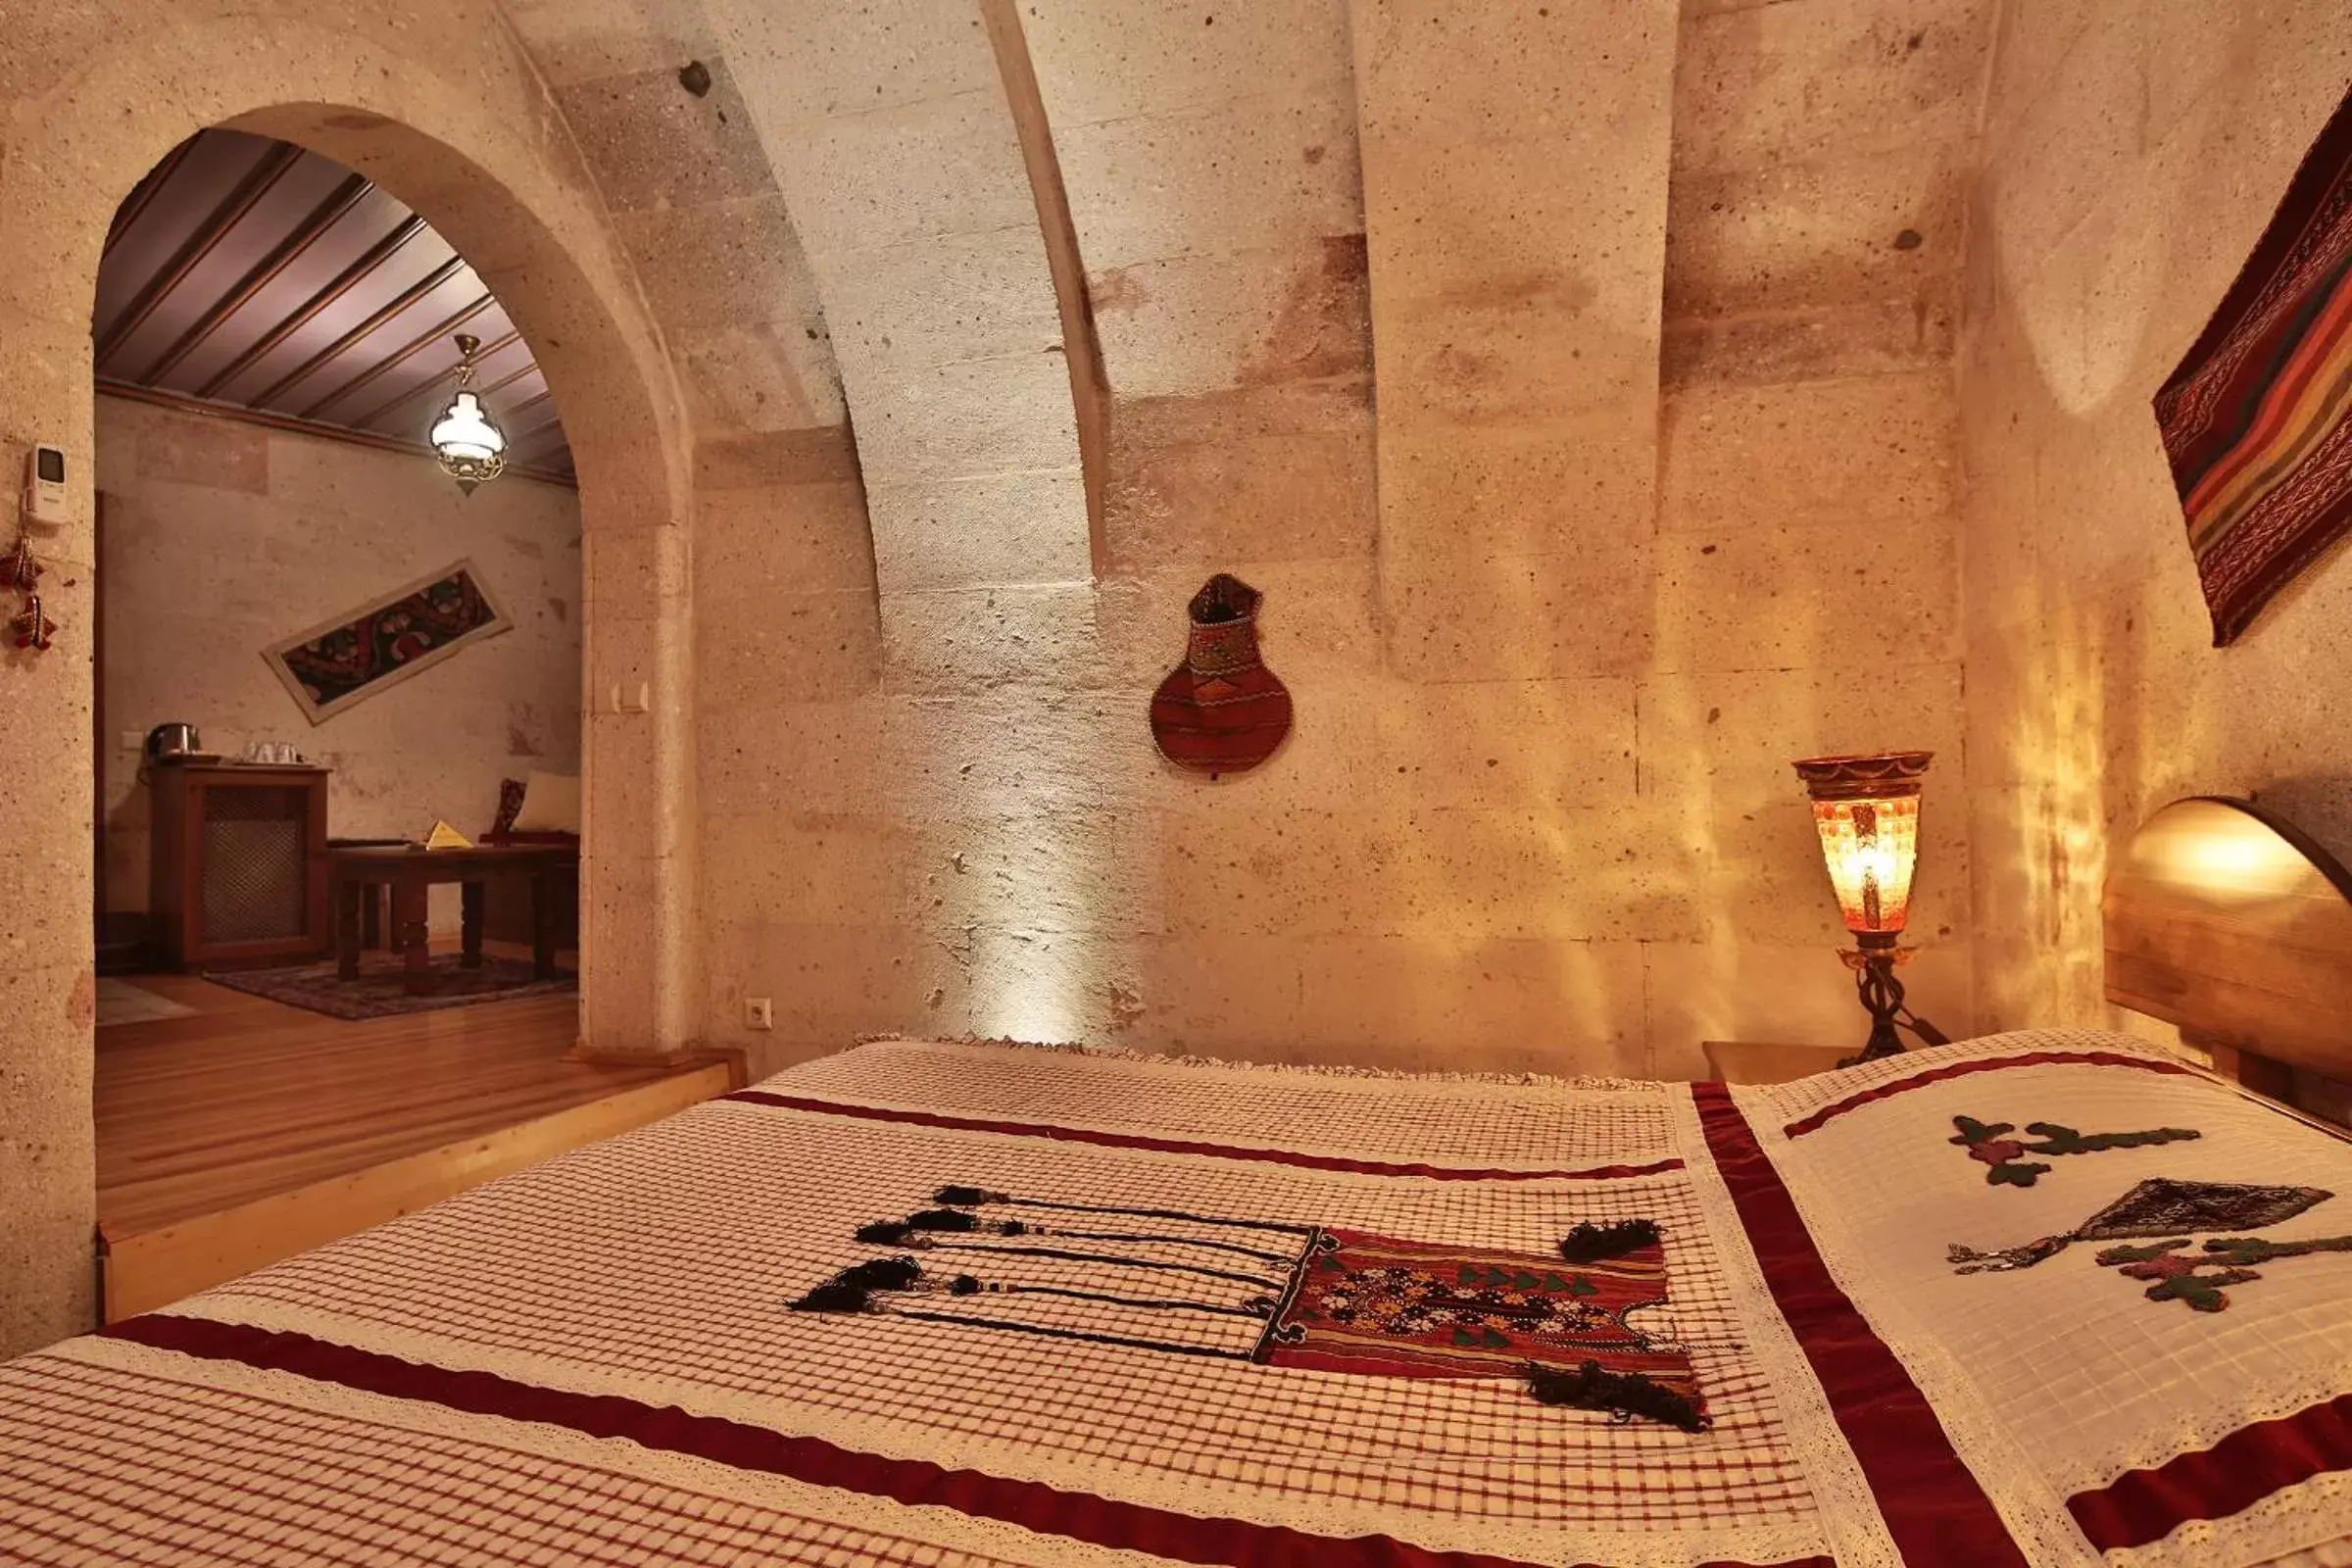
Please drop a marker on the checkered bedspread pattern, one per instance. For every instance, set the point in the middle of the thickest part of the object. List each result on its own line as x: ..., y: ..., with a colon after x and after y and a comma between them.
x: 595, y: 1361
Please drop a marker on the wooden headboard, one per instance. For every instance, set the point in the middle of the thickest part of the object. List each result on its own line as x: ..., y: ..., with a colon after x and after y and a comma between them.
x: 2230, y: 923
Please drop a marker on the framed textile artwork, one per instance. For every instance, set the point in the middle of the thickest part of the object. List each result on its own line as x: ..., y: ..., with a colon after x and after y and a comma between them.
x: 364, y: 652
x: 2257, y: 421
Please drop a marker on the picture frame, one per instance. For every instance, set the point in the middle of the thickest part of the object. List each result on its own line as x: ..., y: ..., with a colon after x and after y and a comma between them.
x: 362, y: 653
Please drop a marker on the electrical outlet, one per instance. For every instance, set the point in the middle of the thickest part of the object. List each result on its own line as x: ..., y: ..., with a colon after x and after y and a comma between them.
x: 759, y: 1013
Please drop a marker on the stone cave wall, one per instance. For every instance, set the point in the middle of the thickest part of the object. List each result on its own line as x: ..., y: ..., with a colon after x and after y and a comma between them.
x: 2131, y: 156
x: 1590, y: 433
x: 1808, y: 512
x: 1578, y: 388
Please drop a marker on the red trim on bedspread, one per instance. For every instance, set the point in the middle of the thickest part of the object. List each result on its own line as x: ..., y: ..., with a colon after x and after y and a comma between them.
x: 1961, y: 1069
x: 1031, y: 1504
x: 1179, y: 1146
x: 1933, y: 1507
x: 2234, y: 1474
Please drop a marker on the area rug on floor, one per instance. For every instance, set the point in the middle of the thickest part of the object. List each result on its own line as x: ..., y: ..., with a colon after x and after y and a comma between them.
x: 378, y: 992
x: 120, y: 1002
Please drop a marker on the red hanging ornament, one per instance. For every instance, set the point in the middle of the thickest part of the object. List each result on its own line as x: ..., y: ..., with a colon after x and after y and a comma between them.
x: 29, y: 627
x: 23, y: 572
x: 1221, y: 710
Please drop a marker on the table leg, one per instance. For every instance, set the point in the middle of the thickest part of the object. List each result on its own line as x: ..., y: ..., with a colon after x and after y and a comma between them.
x: 371, y: 915
x: 408, y: 934
x: 543, y: 926
x: 347, y: 927
x: 471, y: 895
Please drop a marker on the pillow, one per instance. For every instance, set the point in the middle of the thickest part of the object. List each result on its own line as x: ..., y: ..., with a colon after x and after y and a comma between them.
x: 510, y: 802
x: 550, y: 804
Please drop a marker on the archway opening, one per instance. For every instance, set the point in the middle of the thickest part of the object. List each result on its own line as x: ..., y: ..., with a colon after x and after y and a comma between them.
x: 287, y: 575
x: 530, y: 225
x: 315, y: 650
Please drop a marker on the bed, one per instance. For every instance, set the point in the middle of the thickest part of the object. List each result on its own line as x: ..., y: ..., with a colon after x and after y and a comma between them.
x: 2047, y: 1298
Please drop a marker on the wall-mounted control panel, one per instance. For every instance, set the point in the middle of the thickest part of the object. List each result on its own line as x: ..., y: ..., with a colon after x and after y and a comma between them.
x: 45, y: 498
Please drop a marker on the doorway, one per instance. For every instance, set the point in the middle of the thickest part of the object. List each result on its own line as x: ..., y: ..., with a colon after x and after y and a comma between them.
x: 290, y: 579
x: 313, y: 647
x: 447, y: 132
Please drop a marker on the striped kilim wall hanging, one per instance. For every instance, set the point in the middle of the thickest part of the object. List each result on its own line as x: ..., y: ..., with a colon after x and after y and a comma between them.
x: 2257, y: 421
x: 366, y: 652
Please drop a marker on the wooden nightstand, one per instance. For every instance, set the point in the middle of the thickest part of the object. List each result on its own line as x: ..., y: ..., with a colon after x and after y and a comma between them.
x: 1746, y: 1061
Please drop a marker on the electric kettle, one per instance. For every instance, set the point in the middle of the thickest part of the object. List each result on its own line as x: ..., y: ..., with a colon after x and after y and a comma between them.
x: 174, y: 739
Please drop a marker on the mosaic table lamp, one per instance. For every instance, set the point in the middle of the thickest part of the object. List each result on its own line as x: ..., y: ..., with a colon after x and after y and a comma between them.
x: 1866, y: 809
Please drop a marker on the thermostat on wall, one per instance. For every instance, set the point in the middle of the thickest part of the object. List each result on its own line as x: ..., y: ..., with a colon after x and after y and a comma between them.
x: 45, y: 487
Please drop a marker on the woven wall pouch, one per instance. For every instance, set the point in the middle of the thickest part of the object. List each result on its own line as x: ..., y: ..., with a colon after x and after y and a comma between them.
x: 1221, y: 710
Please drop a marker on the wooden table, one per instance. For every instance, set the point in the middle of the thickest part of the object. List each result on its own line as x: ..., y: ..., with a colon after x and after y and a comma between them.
x: 1749, y: 1062
x: 408, y: 872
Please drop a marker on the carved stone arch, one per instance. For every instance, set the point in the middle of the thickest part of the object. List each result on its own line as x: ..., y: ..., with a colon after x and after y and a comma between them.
x: 469, y: 141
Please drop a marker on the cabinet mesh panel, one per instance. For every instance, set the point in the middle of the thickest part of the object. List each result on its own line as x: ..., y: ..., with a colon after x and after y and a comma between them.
x: 255, y: 863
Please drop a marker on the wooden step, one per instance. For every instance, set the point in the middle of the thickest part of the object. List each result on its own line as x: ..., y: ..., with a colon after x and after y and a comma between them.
x: 247, y: 1131
x: 146, y: 1270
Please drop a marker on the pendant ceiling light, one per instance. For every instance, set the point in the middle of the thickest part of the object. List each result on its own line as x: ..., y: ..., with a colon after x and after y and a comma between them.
x: 467, y: 441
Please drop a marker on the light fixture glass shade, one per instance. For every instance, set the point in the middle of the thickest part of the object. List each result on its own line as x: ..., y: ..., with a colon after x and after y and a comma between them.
x: 467, y: 441
x: 1866, y: 809
x: 469, y: 445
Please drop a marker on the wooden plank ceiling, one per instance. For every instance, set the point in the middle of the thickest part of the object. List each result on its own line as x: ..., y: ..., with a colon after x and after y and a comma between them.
x: 254, y: 278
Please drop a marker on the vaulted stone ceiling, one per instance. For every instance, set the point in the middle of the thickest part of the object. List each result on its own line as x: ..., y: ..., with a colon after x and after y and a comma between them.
x: 1209, y: 152
x: 1535, y: 358
x: 843, y: 200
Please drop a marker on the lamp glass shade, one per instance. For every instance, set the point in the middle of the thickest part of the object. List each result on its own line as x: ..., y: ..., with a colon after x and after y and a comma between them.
x: 464, y: 436
x: 1866, y: 809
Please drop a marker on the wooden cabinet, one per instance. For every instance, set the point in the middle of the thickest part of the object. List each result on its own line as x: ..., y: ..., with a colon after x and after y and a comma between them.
x: 239, y: 865
x: 1748, y: 1062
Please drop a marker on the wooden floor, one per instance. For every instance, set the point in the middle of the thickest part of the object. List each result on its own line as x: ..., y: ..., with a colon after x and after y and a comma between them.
x: 250, y: 1130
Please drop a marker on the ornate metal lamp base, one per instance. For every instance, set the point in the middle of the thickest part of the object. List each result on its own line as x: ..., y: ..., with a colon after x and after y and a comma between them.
x: 1883, y: 994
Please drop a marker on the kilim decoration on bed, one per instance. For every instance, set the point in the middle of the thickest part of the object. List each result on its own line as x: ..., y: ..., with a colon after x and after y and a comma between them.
x: 360, y: 653
x: 2158, y: 1207
x: 1378, y: 1307
x: 2257, y: 419
x: 1989, y: 1143
x: 2231, y: 1257
x: 1080, y: 1309
x: 1336, y: 1300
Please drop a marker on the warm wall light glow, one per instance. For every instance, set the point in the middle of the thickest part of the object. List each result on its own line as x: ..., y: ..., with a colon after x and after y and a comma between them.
x: 1866, y: 809
x: 2218, y: 851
